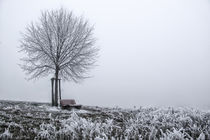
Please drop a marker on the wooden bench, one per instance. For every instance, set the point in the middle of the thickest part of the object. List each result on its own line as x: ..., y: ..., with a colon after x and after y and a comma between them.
x: 69, y: 104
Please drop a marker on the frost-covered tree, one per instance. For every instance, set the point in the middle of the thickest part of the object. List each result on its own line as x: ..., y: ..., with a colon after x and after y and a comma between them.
x: 60, y: 43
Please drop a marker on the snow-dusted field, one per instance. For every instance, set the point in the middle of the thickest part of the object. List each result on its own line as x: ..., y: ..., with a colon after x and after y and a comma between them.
x: 24, y: 120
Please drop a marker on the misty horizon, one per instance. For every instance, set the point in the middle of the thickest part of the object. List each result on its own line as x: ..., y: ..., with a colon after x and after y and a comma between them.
x: 152, y: 53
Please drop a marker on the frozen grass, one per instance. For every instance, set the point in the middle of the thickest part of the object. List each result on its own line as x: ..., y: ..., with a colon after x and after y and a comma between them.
x: 24, y: 120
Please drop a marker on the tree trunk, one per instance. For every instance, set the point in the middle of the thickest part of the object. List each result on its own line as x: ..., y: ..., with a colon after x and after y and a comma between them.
x: 56, y: 87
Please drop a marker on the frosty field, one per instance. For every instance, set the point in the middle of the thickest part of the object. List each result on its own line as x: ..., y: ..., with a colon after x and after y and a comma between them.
x: 25, y: 120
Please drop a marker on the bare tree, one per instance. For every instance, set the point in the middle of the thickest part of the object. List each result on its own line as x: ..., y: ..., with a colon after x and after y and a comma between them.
x: 61, y: 44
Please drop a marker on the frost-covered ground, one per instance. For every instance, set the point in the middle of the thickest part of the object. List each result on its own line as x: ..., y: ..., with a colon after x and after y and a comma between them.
x: 24, y: 120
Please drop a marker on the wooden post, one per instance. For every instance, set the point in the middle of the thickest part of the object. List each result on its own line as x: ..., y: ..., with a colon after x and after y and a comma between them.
x: 60, y: 88
x: 53, y: 99
x: 56, y: 87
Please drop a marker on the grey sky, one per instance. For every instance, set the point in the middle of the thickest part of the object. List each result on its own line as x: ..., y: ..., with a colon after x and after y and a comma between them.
x: 153, y: 52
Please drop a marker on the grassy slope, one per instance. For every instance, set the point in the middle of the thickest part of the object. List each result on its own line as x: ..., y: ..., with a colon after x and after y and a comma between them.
x: 25, y: 120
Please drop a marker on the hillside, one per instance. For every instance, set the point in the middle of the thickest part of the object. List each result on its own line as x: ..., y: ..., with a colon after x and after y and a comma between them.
x: 26, y: 120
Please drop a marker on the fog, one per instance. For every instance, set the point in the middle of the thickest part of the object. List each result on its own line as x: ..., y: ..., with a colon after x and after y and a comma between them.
x: 152, y: 52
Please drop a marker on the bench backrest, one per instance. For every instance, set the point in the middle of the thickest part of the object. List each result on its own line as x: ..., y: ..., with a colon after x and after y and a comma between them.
x: 68, y: 102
